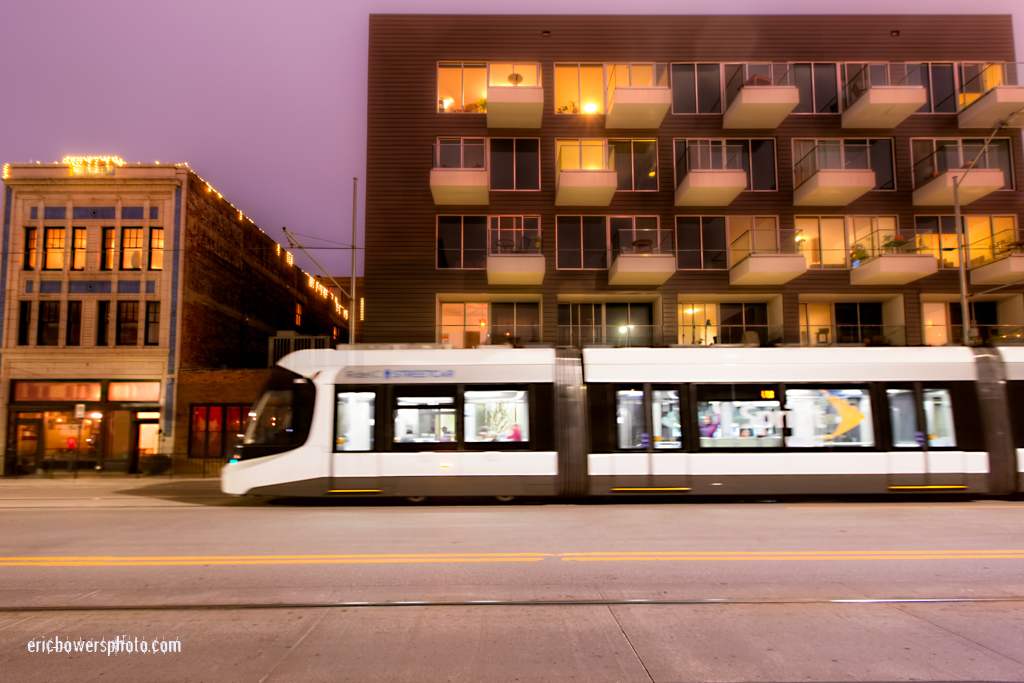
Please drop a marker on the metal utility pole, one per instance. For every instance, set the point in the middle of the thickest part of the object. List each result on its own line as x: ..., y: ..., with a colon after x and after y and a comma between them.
x: 353, y: 308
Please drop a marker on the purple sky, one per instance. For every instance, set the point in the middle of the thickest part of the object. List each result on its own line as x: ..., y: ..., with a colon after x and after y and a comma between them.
x: 265, y: 100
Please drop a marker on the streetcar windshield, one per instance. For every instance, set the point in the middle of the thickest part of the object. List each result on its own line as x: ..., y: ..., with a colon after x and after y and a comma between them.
x: 281, y: 418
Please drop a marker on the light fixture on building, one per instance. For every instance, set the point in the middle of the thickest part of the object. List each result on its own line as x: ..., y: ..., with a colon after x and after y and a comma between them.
x: 545, y: 34
x: 589, y: 108
x: 894, y: 34
x: 96, y: 416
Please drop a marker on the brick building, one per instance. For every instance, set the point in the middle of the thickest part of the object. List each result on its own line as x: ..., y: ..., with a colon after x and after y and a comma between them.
x: 133, y: 297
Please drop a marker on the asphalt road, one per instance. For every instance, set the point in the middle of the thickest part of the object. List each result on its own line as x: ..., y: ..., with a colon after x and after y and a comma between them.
x: 819, y: 590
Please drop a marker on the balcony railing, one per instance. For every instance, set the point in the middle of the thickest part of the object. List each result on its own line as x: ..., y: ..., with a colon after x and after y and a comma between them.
x: 997, y: 247
x: 979, y: 78
x: 883, y: 242
x: 592, y: 156
x: 756, y: 76
x: 978, y: 335
x: 624, y: 335
x: 513, y: 74
x: 954, y: 157
x: 472, y: 336
x: 859, y: 335
x: 702, y: 157
x: 710, y: 334
x: 832, y: 155
x: 460, y: 154
x: 642, y: 75
x: 641, y: 241
x: 763, y: 241
x: 513, y: 241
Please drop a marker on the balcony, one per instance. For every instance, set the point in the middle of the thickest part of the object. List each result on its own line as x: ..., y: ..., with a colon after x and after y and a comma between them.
x: 934, y: 176
x: 989, y: 95
x: 760, y: 100
x: 997, y: 260
x: 765, y: 257
x: 638, y: 96
x: 871, y: 103
x: 580, y: 336
x: 952, y: 334
x: 886, y: 257
x: 642, y: 257
x: 853, y: 335
x: 832, y: 175
x: 710, y: 175
x: 515, y: 98
x: 459, y: 173
x: 585, y: 174
x: 514, y: 257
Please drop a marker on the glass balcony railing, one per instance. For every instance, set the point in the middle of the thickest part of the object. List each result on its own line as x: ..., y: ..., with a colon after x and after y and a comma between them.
x: 978, y: 335
x: 978, y: 78
x: 995, y: 248
x: 767, y: 241
x: 739, y: 76
x: 623, y: 335
x: 641, y: 241
x: 594, y: 155
x: 504, y: 242
x: 953, y: 157
x: 832, y: 155
x: 861, y: 335
x: 883, y: 242
x: 464, y: 154
x: 709, y: 157
x: 513, y: 75
x: 494, y: 334
x: 641, y: 75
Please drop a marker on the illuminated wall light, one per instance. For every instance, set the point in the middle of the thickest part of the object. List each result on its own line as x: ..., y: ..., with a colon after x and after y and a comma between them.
x: 289, y: 259
x: 362, y: 308
x: 278, y: 249
x: 92, y: 165
x: 589, y: 108
x: 7, y: 171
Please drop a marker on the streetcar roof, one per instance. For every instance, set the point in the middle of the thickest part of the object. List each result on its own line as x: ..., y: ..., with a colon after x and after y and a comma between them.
x: 497, y: 365
x: 786, y: 364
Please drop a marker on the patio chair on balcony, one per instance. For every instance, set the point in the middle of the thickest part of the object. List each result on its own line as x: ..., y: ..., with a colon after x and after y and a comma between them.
x: 823, y: 334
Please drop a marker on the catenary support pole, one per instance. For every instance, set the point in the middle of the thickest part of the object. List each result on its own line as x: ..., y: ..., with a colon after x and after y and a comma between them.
x: 353, y: 309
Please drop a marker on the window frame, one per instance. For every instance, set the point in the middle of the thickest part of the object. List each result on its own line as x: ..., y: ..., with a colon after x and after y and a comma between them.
x: 244, y: 409
x: 154, y: 250
x: 78, y: 248
x: 59, y: 234
x: 632, y: 162
x: 703, y: 250
x: 462, y: 71
x: 108, y: 248
x: 462, y: 241
x: 129, y: 251
x: 579, y: 88
x: 378, y: 397
x: 73, y: 329
x: 583, y: 250
x: 696, y: 88
x: 30, y: 249
x: 929, y: 91
x: 151, y: 335
x: 814, y: 89
x: 794, y: 142
x: 725, y: 142
x: 515, y: 163
x: 48, y: 318
x: 24, y: 323
x: 122, y: 324
x: 960, y: 153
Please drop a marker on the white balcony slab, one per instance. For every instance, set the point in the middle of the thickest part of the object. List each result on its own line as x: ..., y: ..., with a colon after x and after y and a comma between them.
x: 939, y: 190
x: 767, y: 269
x: 585, y: 188
x: 1002, y: 272
x: 461, y: 186
x: 519, y: 107
x: 515, y: 269
x: 761, y: 107
x: 638, y: 108
x: 642, y: 269
x: 885, y: 106
x: 834, y: 187
x: 894, y: 269
x: 710, y: 188
x: 994, y: 106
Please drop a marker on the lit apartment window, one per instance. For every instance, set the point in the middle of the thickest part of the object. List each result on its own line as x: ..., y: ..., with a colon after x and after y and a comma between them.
x: 696, y: 88
x: 24, y: 322
x: 977, y: 78
x: 216, y: 430
x: 581, y: 242
x: 156, y: 248
x: 461, y: 87
x: 636, y: 162
x: 48, y: 332
x: 756, y: 157
x: 298, y: 314
x: 515, y: 163
x: 872, y: 236
x: 819, y: 88
x: 29, y: 255
x: 102, y: 323
x: 462, y: 242
x: 53, y: 249
x: 152, y: 323
x: 73, y: 335
x: 107, y: 255
x: 875, y: 154
x: 579, y: 88
x: 933, y: 157
x: 131, y: 248
x: 127, y: 323
x: 78, y: 248
x: 823, y: 240
x: 939, y: 80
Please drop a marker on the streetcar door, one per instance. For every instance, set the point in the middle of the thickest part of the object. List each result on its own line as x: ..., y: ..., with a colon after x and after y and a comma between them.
x: 355, y: 461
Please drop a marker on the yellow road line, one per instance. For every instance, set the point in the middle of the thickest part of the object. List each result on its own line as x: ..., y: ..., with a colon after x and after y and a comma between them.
x: 902, y: 507
x: 115, y: 558
x: 697, y: 553
x: 174, y: 563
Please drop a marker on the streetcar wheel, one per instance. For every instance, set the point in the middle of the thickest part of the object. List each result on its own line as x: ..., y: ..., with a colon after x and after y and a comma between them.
x: 415, y: 499
x: 505, y: 499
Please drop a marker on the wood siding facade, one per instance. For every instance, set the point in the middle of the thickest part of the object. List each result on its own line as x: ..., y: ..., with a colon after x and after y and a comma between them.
x: 403, y: 284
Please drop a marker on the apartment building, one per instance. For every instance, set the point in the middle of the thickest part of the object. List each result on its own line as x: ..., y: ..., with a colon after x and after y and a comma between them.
x: 131, y: 295
x: 687, y: 180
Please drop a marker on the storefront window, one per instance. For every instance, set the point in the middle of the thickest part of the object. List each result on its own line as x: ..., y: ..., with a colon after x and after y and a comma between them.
x: 216, y: 430
x: 500, y: 415
x: 629, y: 418
x: 355, y: 421
x: 829, y: 417
x: 134, y: 391
x: 58, y: 391
x: 667, y: 429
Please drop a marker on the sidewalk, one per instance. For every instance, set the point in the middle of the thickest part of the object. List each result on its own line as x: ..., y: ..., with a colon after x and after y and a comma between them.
x: 108, y: 491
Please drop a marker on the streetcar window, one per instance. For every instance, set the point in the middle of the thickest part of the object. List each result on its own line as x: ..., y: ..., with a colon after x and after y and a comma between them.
x: 903, y: 417
x: 737, y: 417
x: 829, y: 417
x: 425, y: 419
x: 665, y: 418
x: 629, y: 418
x: 279, y: 419
x: 938, y: 412
x: 354, y: 424
x: 502, y: 416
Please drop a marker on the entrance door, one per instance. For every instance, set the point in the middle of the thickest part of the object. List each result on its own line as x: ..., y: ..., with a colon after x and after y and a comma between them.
x: 28, y: 444
x: 147, y: 441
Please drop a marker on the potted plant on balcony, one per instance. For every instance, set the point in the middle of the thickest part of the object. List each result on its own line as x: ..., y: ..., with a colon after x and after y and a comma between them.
x: 858, y: 253
x: 570, y: 108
